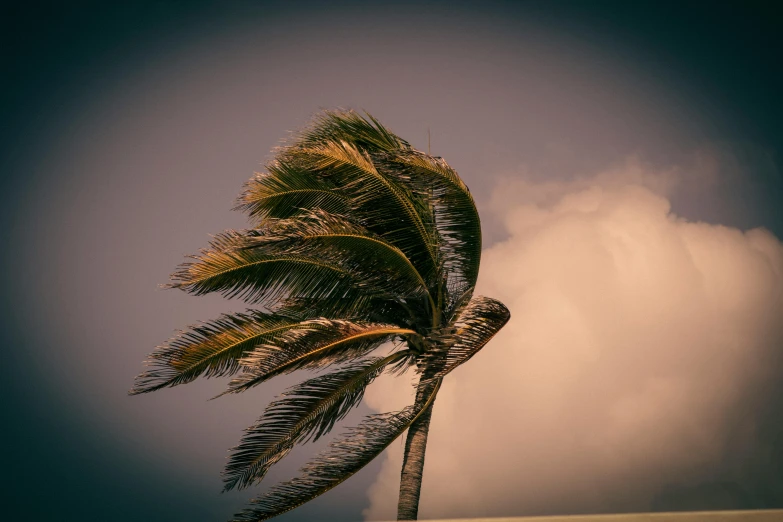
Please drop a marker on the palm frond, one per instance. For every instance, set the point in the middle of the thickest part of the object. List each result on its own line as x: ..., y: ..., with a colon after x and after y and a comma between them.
x: 256, y: 276
x: 382, y: 205
x: 355, y: 306
x: 474, y: 327
x: 343, y: 459
x: 212, y: 348
x: 334, y: 238
x: 286, y: 191
x: 458, y: 296
x: 455, y: 212
x: 366, y: 133
x: 314, y: 344
x: 307, y: 411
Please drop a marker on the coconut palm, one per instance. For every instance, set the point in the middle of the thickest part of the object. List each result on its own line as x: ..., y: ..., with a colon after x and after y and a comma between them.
x: 359, y: 241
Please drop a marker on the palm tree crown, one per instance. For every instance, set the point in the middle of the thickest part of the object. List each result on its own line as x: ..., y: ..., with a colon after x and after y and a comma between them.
x: 358, y: 240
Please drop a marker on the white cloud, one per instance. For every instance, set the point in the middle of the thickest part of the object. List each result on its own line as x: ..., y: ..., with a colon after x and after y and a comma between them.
x: 628, y: 362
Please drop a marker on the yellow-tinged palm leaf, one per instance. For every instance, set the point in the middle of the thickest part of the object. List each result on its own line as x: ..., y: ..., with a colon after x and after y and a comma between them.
x: 345, y: 456
x: 357, y: 306
x: 335, y: 238
x: 257, y: 277
x: 378, y: 203
x: 456, y: 217
x: 286, y: 191
x: 306, y: 411
x: 314, y: 344
x: 211, y: 348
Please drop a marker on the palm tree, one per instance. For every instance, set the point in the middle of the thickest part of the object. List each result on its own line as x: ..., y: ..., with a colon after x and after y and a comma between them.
x: 358, y: 240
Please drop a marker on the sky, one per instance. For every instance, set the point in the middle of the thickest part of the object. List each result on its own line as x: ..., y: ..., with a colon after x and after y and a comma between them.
x: 626, y: 162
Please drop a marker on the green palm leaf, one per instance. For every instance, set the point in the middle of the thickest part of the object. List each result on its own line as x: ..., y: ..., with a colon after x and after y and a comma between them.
x: 212, y: 348
x: 343, y: 459
x: 256, y: 276
x: 307, y: 411
x: 313, y: 344
x: 382, y: 205
x: 286, y: 191
x: 357, y: 306
x: 354, y: 248
x: 455, y: 212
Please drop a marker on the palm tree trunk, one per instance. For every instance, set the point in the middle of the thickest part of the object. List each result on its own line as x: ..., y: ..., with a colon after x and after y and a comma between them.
x: 413, y: 460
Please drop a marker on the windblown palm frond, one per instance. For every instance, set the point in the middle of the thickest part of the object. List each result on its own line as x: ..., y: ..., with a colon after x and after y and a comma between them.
x: 379, y: 203
x: 369, y: 257
x: 313, y: 344
x: 355, y: 306
x: 455, y: 214
x: 286, y: 191
x: 306, y: 411
x: 212, y: 349
x: 366, y: 134
x: 473, y: 328
x: 343, y: 459
x: 256, y: 276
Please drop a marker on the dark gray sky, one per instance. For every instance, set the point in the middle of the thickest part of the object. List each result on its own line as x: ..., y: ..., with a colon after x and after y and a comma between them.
x: 128, y: 131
